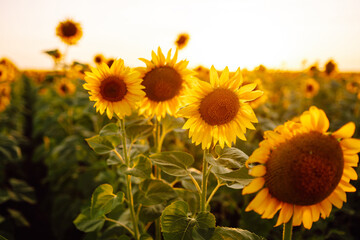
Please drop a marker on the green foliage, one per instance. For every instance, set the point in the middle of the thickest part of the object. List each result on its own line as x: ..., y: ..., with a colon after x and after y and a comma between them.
x: 104, y: 200
x: 224, y: 233
x: 229, y: 167
x: 86, y: 223
x: 173, y: 163
x: 142, y: 167
x: 152, y: 192
x: 176, y: 224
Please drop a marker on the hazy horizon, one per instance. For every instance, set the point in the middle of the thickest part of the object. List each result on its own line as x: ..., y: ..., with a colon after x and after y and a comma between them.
x: 278, y: 34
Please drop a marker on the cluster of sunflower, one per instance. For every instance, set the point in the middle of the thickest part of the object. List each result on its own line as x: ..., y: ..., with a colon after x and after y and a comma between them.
x: 300, y: 169
x: 8, y: 73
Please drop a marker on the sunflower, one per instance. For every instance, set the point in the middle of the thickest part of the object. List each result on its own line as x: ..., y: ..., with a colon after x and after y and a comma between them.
x: 261, y: 100
x: 65, y: 87
x: 302, y: 170
x: 218, y: 111
x: 3, y: 74
x: 69, y: 31
x: 182, y: 40
x: 99, y: 58
x: 116, y: 89
x: 165, y: 81
x: 5, y: 91
x: 311, y: 88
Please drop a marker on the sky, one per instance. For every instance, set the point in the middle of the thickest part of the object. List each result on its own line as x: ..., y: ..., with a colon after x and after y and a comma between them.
x: 280, y: 34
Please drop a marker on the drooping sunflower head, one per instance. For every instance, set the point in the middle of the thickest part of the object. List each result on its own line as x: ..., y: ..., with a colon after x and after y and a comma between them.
x: 302, y: 170
x: 165, y: 81
x: 64, y: 87
x: 310, y: 88
x: 218, y: 112
x: 99, y: 58
x: 69, y: 31
x: 182, y: 40
x: 116, y: 89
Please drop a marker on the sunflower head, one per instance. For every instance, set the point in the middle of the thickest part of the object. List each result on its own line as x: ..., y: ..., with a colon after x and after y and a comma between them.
x: 99, y: 58
x: 165, y: 80
x: 5, y: 91
x: 218, y: 112
x: 69, y: 31
x: 182, y: 40
x: 302, y: 170
x: 310, y: 88
x: 65, y: 87
x: 116, y: 89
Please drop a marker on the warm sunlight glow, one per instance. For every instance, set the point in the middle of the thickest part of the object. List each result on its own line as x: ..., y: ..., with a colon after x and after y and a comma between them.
x: 278, y: 34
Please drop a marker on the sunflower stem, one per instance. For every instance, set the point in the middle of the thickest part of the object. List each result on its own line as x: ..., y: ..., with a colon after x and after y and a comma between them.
x: 287, y: 230
x: 204, y: 184
x: 158, y: 146
x: 213, y: 193
x: 129, y: 194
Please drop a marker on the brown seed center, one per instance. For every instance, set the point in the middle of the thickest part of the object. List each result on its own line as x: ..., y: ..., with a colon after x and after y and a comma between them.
x: 64, y: 89
x: 181, y: 40
x: 98, y: 59
x: 68, y: 29
x: 219, y: 107
x: 305, y: 170
x: 113, y: 89
x: 162, y: 83
x: 309, y: 88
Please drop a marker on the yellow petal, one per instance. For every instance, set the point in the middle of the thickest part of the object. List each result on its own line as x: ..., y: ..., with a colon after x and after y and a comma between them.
x: 315, y: 212
x: 323, y: 122
x: 351, y: 144
x: 335, y: 200
x: 346, y: 131
x: 258, y: 200
x: 350, y: 173
x: 254, y: 186
x: 285, y: 213
x: 307, y: 218
x: 346, y: 186
x: 258, y: 171
x: 214, y: 77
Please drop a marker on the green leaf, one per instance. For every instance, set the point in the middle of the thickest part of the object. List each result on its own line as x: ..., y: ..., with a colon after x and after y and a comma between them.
x: 145, y: 236
x: 170, y: 123
x: 224, y: 233
x: 173, y: 163
x: 139, y: 129
x: 22, y: 191
x: 4, y: 196
x: 113, y: 159
x: 18, y: 217
x: 153, y: 192
x: 84, y: 222
x: 103, y: 200
x: 191, y: 197
x: 228, y: 157
x: 141, y: 169
x: 103, y: 144
x: 229, y: 167
x: 150, y: 213
x: 177, y: 225
x: 111, y: 129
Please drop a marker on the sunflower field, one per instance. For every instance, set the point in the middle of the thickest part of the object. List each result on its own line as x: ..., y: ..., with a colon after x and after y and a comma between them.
x: 101, y: 150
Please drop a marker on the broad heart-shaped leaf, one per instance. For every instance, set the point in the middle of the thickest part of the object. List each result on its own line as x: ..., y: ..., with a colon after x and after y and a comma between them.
x: 104, y: 144
x: 177, y: 225
x: 170, y: 123
x: 173, y: 163
x: 142, y: 167
x: 224, y: 233
x: 84, y: 222
x: 111, y: 129
x: 231, y: 158
x: 139, y: 129
x: 103, y: 200
x: 113, y: 159
x: 152, y: 192
x: 230, y: 167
